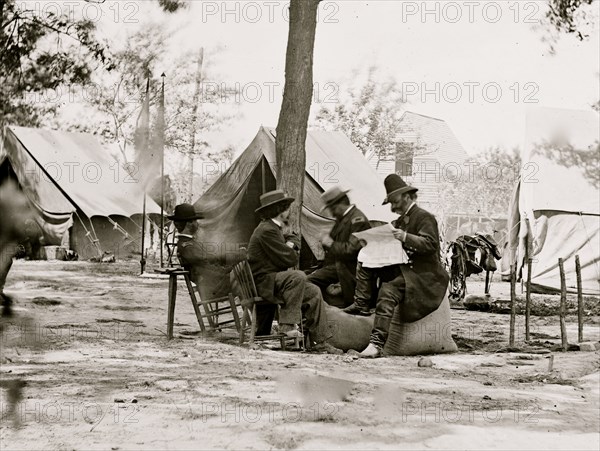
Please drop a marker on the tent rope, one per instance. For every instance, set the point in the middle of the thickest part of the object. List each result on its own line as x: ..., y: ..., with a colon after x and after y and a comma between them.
x: 116, y: 226
x: 88, y: 233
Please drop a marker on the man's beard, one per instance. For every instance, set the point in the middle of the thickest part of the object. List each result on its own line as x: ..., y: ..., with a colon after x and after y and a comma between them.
x: 193, y: 228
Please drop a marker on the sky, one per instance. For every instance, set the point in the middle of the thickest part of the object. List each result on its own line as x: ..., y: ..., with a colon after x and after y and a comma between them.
x: 478, y: 65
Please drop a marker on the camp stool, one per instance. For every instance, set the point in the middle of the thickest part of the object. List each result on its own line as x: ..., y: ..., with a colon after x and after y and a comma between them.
x: 244, y: 290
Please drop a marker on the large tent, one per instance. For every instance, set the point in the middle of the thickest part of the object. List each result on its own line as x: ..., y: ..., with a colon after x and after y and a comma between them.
x: 86, y: 200
x: 331, y: 159
x: 555, y: 210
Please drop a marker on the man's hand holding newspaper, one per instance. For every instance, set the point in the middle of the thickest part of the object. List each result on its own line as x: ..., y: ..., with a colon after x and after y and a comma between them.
x: 383, y: 248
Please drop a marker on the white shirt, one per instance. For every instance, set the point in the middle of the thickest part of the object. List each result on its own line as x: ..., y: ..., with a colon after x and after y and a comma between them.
x: 277, y: 223
x: 348, y: 209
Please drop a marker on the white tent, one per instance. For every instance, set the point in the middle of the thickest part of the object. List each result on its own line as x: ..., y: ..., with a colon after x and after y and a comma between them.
x: 555, y: 211
x: 75, y: 183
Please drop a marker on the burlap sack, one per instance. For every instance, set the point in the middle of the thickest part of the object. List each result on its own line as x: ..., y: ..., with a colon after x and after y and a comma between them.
x: 430, y: 335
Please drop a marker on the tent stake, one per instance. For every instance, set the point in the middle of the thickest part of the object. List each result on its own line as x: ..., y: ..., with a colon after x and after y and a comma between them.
x: 579, y: 300
x: 511, y: 339
x: 528, y: 299
x: 563, y: 305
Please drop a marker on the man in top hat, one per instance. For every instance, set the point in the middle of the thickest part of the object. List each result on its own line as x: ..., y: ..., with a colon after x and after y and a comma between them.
x: 416, y: 288
x: 271, y: 253
x: 341, y: 247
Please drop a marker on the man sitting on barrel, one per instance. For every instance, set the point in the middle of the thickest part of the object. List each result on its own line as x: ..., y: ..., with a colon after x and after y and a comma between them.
x: 341, y: 247
x: 271, y: 253
x: 416, y: 288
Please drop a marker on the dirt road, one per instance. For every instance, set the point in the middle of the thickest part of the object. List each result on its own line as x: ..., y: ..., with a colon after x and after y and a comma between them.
x: 89, y: 341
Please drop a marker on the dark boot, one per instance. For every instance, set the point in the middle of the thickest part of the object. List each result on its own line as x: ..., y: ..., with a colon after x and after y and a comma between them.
x: 357, y: 309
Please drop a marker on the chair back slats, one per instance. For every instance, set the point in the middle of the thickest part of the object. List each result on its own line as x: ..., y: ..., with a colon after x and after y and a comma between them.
x: 242, y: 281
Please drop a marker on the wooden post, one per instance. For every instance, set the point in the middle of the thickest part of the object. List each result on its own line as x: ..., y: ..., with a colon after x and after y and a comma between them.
x: 563, y: 306
x: 528, y: 299
x: 579, y: 300
x: 513, y: 295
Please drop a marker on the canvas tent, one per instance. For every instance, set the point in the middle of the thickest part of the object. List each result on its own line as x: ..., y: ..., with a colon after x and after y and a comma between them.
x: 555, y: 210
x: 331, y: 159
x: 86, y: 200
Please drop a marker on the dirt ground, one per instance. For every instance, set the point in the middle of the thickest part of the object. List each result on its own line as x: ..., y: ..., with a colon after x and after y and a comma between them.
x: 89, y: 341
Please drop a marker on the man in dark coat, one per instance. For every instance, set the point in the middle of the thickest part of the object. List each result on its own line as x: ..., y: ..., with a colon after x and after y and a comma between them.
x: 211, y: 281
x: 341, y: 247
x: 271, y: 253
x: 416, y: 288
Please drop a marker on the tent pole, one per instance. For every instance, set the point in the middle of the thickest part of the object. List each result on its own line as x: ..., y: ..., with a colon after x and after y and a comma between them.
x: 262, y: 173
x: 142, y: 259
x: 162, y: 171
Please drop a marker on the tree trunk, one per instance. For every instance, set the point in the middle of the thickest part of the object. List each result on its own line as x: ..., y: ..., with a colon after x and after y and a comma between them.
x: 297, y: 95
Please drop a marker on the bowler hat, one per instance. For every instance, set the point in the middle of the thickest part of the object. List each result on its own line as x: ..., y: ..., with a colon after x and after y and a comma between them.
x: 273, y: 198
x: 332, y: 195
x: 395, y: 185
x: 185, y: 212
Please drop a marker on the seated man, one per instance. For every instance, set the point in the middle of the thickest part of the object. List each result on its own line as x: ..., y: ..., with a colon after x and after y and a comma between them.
x: 189, y: 251
x: 417, y: 288
x: 193, y: 256
x: 270, y: 254
x: 340, y: 245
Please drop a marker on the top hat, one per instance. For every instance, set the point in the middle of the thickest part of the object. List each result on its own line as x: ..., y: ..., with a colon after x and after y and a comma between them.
x: 332, y: 195
x: 185, y: 212
x: 273, y: 198
x: 395, y: 185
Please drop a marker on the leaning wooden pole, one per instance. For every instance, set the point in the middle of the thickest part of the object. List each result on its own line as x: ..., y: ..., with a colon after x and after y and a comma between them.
x: 161, y: 149
x: 563, y: 305
x: 579, y: 301
x: 513, y: 298
x: 528, y: 299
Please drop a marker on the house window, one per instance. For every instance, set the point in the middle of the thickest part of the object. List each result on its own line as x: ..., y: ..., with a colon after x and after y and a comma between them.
x: 405, y: 153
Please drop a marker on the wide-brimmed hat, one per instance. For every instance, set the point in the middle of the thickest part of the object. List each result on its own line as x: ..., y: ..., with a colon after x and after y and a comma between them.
x: 332, y: 195
x: 273, y: 198
x: 185, y: 212
x: 395, y: 185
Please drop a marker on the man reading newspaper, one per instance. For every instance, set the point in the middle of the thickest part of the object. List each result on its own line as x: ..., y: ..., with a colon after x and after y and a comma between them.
x: 416, y: 286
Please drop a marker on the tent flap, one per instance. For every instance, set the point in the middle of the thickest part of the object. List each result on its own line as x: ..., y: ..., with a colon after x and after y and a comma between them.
x: 555, y: 206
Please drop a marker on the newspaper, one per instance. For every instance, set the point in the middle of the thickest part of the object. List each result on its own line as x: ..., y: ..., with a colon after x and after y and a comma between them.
x: 382, y: 248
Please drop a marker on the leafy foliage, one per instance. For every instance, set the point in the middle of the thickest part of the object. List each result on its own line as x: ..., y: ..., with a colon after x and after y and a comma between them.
x: 571, y: 17
x: 565, y: 154
x: 567, y: 16
x: 172, y: 6
x: 40, y: 50
x: 369, y: 115
x: 485, y: 186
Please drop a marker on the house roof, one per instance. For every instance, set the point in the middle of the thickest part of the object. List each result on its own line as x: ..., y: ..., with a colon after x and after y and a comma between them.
x: 434, y: 135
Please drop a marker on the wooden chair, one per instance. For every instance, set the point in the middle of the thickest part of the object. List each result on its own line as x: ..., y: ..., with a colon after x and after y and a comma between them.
x: 244, y: 289
x: 221, y: 313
